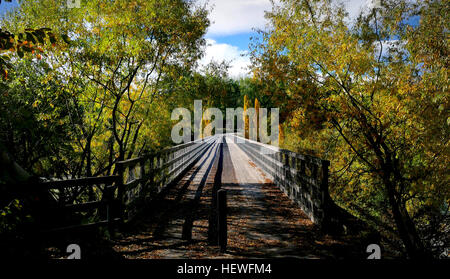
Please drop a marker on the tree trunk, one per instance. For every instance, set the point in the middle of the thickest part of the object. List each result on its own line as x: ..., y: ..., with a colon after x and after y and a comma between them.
x: 406, y: 229
x: 12, y: 169
x: 88, y: 157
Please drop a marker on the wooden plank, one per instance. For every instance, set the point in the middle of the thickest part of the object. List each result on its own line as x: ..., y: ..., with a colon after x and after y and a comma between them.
x: 132, y: 184
x: 88, y: 181
x: 180, y: 146
x: 308, y: 158
x: 173, y: 161
x: 130, y: 162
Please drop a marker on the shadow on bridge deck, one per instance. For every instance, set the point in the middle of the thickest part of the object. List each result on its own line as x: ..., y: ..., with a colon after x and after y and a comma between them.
x: 262, y: 221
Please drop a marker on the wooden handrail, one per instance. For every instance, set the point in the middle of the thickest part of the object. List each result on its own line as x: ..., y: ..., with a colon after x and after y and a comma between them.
x: 85, y: 181
x: 304, y: 178
x: 157, y: 169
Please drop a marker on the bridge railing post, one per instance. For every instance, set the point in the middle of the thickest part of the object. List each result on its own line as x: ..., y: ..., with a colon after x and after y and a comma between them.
x: 151, y: 174
x: 143, y: 172
x: 120, y: 193
x: 222, y: 219
x: 326, y: 202
x: 109, y: 209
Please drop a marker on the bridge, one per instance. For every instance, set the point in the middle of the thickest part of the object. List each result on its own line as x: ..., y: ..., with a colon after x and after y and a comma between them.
x: 165, y: 204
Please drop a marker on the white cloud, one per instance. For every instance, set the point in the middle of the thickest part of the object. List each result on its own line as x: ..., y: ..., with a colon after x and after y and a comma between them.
x: 355, y: 7
x: 220, y: 52
x: 236, y: 16
x: 229, y: 17
x: 388, y: 46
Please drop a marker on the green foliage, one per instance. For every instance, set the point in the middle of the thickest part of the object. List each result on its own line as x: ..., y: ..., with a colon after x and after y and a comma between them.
x: 380, y: 116
x: 105, y: 90
x: 12, y: 217
x: 99, y: 94
x: 122, y: 57
x: 34, y: 119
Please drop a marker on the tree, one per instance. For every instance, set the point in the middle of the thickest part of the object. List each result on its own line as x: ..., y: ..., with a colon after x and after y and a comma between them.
x: 257, y: 106
x: 31, y: 42
x: 369, y: 97
x: 246, y: 118
x: 123, y: 55
x: 35, y: 109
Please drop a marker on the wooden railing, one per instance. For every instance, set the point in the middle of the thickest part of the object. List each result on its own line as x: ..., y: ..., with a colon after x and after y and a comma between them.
x: 93, y: 196
x: 146, y: 176
x: 303, y: 178
x: 109, y: 200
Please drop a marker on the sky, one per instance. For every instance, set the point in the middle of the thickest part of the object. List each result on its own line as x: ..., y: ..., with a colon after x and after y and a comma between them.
x: 5, y: 6
x: 233, y: 22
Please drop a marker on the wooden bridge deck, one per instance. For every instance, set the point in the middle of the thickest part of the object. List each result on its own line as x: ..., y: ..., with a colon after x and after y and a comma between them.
x: 262, y: 221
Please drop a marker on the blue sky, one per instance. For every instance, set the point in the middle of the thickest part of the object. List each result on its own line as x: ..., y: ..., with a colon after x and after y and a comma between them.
x: 4, y: 6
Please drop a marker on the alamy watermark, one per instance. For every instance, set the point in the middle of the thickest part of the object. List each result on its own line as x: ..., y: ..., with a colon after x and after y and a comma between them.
x: 73, y: 4
x: 375, y: 252
x: 75, y: 252
x: 250, y: 123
